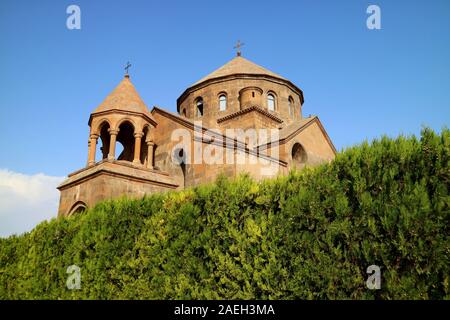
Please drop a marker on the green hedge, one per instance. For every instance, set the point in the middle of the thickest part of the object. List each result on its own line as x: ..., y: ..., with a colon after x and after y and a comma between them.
x: 309, y: 235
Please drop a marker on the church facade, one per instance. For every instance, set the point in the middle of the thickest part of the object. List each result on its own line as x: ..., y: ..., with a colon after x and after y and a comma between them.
x: 240, y: 118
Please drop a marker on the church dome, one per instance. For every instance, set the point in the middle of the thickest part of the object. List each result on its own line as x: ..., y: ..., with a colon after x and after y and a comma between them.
x: 237, y: 85
x: 239, y: 66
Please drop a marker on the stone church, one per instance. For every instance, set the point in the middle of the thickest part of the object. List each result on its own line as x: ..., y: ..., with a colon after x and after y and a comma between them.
x: 239, y: 118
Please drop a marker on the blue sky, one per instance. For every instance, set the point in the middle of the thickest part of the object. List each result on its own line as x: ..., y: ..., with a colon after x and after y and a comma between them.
x: 361, y: 83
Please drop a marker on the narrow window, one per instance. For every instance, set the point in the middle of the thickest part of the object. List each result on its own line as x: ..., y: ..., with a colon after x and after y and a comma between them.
x: 223, y: 102
x: 199, y: 105
x: 271, y: 102
x: 291, y: 106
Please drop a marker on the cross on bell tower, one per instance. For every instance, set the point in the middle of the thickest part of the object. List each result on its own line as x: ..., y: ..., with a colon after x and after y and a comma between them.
x: 238, y: 46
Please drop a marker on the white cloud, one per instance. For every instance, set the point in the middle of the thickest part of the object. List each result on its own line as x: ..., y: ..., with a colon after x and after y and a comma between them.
x: 26, y: 200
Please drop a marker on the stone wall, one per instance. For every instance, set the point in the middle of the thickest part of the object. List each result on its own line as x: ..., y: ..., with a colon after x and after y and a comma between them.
x: 108, y: 180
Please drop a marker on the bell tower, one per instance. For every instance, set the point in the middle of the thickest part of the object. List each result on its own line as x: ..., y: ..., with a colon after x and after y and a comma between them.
x: 122, y: 118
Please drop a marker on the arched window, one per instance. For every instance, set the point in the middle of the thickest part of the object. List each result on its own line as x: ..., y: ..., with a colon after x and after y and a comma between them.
x: 299, y: 156
x: 271, y: 102
x: 77, y: 208
x: 291, y: 106
x: 179, y: 158
x: 222, y: 102
x: 199, y: 107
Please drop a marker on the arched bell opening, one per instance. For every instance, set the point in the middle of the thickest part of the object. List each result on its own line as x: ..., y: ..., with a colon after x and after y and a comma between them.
x: 125, y: 138
x: 102, y: 148
x: 144, y: 146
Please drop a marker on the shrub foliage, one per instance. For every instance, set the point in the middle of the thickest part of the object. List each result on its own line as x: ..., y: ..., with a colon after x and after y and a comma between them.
x: 309, y: 235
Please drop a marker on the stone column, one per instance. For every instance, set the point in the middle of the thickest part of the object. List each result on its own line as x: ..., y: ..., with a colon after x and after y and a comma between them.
x: 92, y: 147
x: 112, y: 144
x: 89, y: 151
x: 137, y: 147
x: 150, y: 145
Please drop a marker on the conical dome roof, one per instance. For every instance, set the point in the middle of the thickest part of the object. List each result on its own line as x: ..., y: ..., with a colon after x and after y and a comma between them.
x: 239, y: 65
x: 124, y: 97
